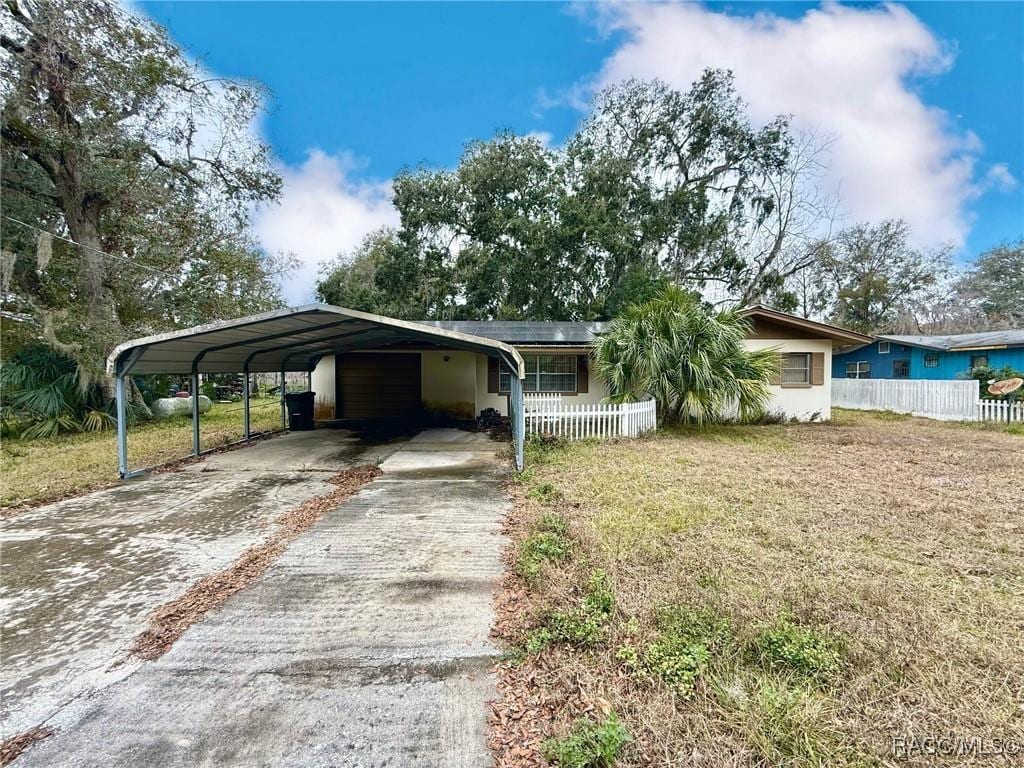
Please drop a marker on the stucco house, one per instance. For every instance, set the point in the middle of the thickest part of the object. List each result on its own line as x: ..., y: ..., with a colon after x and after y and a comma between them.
x: 408, y: 378
x: 930, y: 357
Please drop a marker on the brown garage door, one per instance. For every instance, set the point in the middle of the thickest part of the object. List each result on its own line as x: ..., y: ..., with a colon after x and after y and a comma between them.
x: 378, y: 385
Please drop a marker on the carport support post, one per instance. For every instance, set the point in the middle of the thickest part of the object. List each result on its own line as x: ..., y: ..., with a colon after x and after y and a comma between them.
x: 195, y: 413
x: 245, y: 404
x: 284, y: 412
x: 122, y: 427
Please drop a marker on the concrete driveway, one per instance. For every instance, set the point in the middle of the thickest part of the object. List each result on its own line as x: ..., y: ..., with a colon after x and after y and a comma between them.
x: 365, y: 644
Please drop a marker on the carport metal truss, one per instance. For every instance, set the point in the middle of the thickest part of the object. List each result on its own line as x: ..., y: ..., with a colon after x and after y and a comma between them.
x: 286, y: 340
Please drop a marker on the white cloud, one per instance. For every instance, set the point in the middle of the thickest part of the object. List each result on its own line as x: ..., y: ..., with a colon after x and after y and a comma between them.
x: 544, y: 138
x: 839, y: 71
x: 1000, y: 178
x: 322, y: 212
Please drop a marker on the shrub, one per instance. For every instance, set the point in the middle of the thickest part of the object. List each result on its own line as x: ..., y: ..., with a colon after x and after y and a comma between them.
x: 692, y: 362
x: 590, y: 744
x: 799, y: 649
x: 42, y: 395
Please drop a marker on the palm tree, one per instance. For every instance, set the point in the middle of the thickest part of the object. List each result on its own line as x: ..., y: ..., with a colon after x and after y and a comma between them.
x: 691, y: 361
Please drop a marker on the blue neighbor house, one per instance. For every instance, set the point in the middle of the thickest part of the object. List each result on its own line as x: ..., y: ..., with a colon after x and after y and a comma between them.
x: 930, y: 357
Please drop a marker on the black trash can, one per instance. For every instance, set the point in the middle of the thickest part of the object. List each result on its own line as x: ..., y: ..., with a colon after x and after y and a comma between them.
x: 300, y: 410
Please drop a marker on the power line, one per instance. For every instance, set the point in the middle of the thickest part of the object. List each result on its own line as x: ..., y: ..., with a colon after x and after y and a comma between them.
x: 172, y: 276
x: 42, y: 231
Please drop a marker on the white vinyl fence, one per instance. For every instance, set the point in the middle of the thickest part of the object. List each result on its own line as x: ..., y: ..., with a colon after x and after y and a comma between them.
x: 945, y: 400
x: 551, y: 415
x: 995, y: 410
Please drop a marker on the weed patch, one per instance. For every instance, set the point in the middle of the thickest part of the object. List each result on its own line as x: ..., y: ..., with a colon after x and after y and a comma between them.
x: 548, y: 542
x: 681, y: 650
x: 590, y: 744
x: 786, y: 646
x: 586, y: 625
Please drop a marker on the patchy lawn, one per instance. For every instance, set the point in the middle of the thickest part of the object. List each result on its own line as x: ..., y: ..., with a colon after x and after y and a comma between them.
x: 53, y: 468
x: 798, y: 595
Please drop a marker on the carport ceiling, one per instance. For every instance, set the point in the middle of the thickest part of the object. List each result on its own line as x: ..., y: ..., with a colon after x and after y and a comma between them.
x: 287, y: 339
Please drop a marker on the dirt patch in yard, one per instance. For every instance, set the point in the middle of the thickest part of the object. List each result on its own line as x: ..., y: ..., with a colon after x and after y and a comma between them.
x: 170, y: 621
x: 794, y: 595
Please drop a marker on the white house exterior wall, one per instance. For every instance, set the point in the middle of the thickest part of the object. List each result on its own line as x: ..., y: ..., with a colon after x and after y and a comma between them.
x: 458, y: 386
x: 800, y: 402
x: 323, y: 386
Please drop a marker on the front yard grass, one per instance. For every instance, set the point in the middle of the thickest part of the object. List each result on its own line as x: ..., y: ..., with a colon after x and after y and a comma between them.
x: 797, y: 595
x: 43, y: 469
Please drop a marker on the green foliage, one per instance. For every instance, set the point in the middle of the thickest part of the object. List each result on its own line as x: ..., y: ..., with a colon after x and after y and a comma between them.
x: 539, y: 548
x: 680, y: 652
x: 40, y: 396
x: 872, y: 272
x: 633, y: 200
x: 586, y: 625
x: 806, y: 651
x: 983, y: 375
x: 548, y: 542
x: 996, y: 283
x: 590, y: 744
x: 115, y: 138
x: 693, y: 363
x: 544, y: 493
x: 538, y: 639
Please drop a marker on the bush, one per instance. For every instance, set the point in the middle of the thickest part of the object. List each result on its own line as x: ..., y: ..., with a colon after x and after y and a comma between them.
x: 41, y: 395
x: 799, y: 649
x: 590, y: 744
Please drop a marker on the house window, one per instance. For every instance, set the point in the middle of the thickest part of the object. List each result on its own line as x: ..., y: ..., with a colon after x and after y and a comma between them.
x: 979, y: 361
x: 883, y: 347
x: 544, y: 373
x: 796, y: 368
x: 860, y: 370
x: 931, y: 359
x: 901, y: 369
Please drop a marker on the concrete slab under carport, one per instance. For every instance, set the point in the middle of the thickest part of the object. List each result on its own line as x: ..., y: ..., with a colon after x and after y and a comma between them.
x: 80, y: 576
x: 365, y: 644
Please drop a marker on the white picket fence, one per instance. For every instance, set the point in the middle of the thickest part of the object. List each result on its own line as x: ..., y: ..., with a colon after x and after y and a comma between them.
x: 952, y: 400
x: 552, y: 415
x: 995, y: 410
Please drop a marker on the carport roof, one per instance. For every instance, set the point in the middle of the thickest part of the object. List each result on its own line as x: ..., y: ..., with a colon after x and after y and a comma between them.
x: 286, y: 339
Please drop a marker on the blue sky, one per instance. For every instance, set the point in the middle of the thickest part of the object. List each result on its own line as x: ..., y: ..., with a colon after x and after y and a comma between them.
x: 927, y: 99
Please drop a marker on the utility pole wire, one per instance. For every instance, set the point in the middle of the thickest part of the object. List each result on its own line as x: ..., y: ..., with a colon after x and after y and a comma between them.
x: 42, y: 231
x: 172, y: 276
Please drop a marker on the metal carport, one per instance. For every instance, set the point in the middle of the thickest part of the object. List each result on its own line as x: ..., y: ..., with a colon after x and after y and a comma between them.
x: 286, y: 340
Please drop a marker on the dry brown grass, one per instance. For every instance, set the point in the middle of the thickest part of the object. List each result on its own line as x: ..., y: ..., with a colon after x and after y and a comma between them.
x: 899, y: 540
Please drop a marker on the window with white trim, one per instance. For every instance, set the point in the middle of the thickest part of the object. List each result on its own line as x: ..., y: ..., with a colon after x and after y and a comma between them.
x: 796, y: 368
x: 858, y: 370
x: 883, y: 347
x: 544, y: 373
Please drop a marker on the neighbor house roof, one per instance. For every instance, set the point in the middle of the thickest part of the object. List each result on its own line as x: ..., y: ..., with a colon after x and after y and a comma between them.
x: 525, y: 332
x: 962, y: 341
